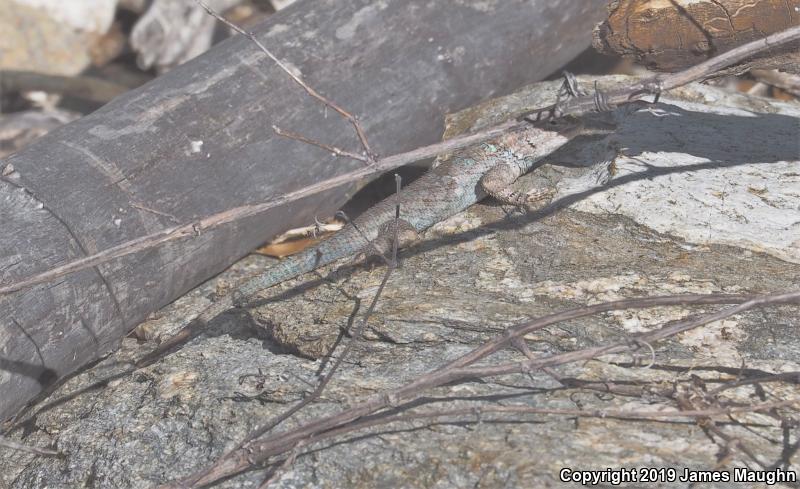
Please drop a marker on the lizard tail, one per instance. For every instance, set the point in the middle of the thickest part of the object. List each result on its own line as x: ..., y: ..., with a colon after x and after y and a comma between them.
x: 338, y: 246
x: 330, y: 250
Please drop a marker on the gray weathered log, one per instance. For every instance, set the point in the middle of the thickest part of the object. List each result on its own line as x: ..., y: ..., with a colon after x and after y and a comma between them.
x: 198, y: 141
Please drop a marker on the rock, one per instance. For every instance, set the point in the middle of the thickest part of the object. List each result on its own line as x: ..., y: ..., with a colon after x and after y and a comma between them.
x: 281, y: 4
x: 474, y: 275
x: 174, y: 31
x: 52, y: 36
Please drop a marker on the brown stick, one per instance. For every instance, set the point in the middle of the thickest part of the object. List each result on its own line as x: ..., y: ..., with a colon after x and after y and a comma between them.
x: 310, y: 91
x: 657, y: 84
x: 586, y: 413
x: 391, y: 264
x: 574, y: 106
x: 459, y: 369
x: 237, y: 213
x: 327, y: 147
x: 4, y: 442
x: 581, y: 413
x: 785, y: 81
x: 651, y: 336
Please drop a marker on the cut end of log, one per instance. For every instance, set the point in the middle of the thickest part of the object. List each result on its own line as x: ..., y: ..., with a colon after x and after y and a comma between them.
x: 670, y: 35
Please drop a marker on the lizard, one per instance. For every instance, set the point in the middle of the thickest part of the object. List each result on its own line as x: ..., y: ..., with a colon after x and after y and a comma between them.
x: 486, y: 169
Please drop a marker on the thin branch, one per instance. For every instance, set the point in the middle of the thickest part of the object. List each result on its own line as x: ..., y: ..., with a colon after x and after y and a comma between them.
x: 459, y: 369
x: 238, y: 213
x: 283, y: 466
x: 310, y: 91
x: 785, y: 81
x: 4, y: 442
x: 84, y: 87
x: 654, y: 86
x: 580, y: 413
x: 355, y: 338
x: 333, y: 149
x: 620, y: 414
x: 709, y: 426
x: 793, y: 377
x: 575, y: 105
x: 621, y: 347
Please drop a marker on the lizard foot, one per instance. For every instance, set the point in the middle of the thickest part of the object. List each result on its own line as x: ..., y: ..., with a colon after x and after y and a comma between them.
x: 531, y: 200
x: 382, y: 244
x: 405, y: 232
x: 537, y: 196
x: 497, y: 183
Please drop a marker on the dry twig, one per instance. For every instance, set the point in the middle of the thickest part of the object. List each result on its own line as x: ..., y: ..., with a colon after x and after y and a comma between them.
x: 575, y: 106
x: 4, y: 442
x: 391, y: 263
x: 362, y: 137
x: 652, y: 415
x: 660, y: 83
x: 463, y: 368
x: 213, y: 221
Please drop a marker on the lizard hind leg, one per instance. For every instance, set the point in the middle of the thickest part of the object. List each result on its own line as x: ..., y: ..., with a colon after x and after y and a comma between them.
x: 498, y: 181
x: 382, y: 245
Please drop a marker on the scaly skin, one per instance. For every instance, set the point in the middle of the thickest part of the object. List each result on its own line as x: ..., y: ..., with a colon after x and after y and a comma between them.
x: 439, y: 194
x: 444, y: 191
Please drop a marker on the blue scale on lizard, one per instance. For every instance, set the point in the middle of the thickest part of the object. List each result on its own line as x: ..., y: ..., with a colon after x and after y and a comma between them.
x: 449, y: 188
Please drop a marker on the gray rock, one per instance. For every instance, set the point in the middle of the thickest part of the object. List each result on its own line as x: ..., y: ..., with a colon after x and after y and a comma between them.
x: 473, y: 275
x: 172, y: 32
x: 50, y: 36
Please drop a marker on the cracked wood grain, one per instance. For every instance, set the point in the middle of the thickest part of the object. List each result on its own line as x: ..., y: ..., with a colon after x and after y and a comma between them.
x: 229, y: 98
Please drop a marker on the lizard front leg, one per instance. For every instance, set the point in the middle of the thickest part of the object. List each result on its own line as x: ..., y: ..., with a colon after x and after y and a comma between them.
x: 497, y: 183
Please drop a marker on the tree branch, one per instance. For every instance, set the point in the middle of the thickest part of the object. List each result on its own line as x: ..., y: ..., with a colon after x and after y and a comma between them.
x: 599, y: 102
x: 574, y: 106
x: 459, y: 369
